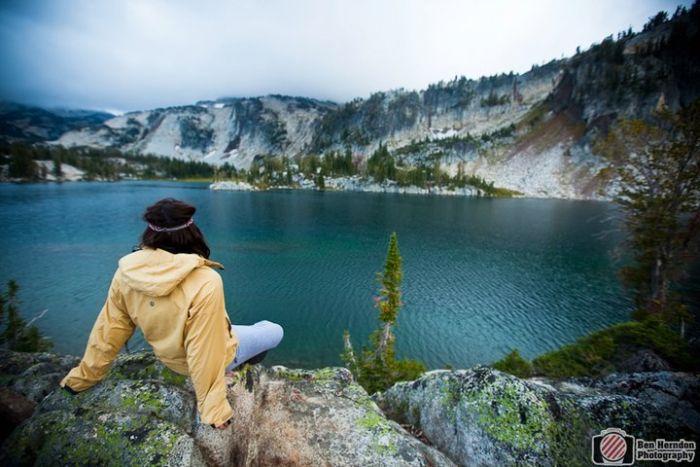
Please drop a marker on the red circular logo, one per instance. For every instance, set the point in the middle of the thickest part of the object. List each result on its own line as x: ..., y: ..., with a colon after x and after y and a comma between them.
x: 613, y: 447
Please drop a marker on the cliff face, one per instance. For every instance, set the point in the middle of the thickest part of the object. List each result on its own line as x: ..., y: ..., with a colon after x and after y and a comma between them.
x: 530, y: 132
x: 227, y: 130
x: 143, y: 414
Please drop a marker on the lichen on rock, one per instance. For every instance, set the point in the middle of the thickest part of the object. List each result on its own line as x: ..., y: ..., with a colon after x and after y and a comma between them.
x: 482, y: 416
x: 135, y: 416
x: 318, y: 417
x: 144, y: 414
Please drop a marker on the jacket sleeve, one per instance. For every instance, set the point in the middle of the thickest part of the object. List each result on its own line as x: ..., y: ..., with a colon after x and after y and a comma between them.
x: 110, y: 332
x: 206, y: 334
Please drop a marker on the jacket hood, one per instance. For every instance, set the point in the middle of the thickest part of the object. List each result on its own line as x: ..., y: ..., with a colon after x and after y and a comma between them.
x: 157, y: 272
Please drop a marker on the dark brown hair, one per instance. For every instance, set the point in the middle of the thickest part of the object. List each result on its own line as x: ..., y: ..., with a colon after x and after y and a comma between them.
x: 170, y: 212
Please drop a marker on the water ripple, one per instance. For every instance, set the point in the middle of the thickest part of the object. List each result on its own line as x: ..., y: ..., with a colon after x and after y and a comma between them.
x: 480, y: 276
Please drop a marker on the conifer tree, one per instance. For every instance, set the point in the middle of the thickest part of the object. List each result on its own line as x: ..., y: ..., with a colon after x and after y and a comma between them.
x: 347, y: 163
x: 389, y: 300
x: 659, y: 177
x: 320, y: 181
x: 13, y: 325
x: 21, y: 163
x: 57, y: 168
x: 17, y: 335
x: 376, y: 367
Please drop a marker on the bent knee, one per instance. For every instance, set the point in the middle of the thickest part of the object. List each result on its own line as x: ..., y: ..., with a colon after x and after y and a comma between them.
x: 276, y: 332
x: 273, y: 332
x: 279, y: 332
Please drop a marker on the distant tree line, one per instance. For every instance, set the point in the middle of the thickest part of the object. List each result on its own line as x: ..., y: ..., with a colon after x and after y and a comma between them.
x: 265, y: 170
x: 98, y: 163
x: 494, y: 99
x: 610, y: 72
x: 382, y: 166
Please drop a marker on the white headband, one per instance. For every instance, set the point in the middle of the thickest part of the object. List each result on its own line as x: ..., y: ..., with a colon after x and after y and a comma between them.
x: 170, y: 229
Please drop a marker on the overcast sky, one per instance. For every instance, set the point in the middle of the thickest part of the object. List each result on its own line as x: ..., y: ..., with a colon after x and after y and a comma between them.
x: 139, y: 54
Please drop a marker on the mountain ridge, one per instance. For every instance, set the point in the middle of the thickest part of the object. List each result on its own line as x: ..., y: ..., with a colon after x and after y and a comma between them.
x: 532, y: 132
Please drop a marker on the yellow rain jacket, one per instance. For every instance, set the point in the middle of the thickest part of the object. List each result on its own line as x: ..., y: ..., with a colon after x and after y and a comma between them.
x: 178, y: 302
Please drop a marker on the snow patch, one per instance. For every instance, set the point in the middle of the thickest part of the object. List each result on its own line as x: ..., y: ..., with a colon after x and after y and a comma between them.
x: 444, y: 133
x: 232, y: 186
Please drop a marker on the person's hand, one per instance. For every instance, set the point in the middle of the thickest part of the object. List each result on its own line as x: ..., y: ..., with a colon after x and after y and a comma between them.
x: 224, y: 425
x: 69, y: 390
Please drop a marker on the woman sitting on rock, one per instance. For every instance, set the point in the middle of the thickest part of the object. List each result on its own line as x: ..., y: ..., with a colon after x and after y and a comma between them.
x: 169, y: 289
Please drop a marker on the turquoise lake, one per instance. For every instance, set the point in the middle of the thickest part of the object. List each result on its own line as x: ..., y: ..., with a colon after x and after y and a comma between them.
x: 481, y: 276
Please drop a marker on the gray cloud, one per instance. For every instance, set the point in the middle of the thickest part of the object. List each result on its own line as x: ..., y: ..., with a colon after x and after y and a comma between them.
x: 132, y: 54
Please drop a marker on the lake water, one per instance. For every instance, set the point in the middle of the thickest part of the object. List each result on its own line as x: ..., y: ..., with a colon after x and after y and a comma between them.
x: 481, y: 276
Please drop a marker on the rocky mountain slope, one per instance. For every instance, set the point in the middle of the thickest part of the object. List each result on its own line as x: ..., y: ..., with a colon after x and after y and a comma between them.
x: 532, y: 132
x: 228, y: 130
x: 143, y: 414
x: 33, y: 124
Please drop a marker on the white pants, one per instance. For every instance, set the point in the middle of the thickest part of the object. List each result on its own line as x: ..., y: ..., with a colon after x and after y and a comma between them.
x: 254, y: 340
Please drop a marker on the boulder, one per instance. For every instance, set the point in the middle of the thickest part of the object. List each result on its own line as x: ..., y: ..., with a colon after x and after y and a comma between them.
x: 482, y: 416
x: 33, y: 375
x: 320, y: 417
x: 675, y: 393
x: 14, y: 409
x: 643, y: 360
x: 144, y: 414
x: 140, y: 414
x: 25, y: 379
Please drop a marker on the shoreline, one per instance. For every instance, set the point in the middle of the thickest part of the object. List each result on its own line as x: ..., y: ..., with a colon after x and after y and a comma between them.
x: 225, y: 185
x: 352, y: 186
x: 343, y: 185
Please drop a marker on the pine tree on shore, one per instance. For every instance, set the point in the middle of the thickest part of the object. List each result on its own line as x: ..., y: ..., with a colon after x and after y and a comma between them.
x: 57, y: 168
x: 659, y: 177
x: 376, y: 367
x: 320, y: 181
x: 389, y: 300
x: 17, y: 335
